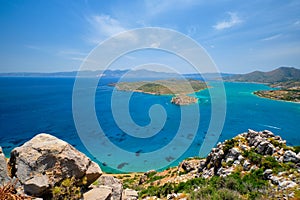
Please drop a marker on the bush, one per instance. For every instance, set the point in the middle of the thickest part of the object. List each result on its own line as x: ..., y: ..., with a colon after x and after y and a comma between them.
x: 254, y: 157
x: 67, y: 190
x: 269, y: 162
x: 297, y: 149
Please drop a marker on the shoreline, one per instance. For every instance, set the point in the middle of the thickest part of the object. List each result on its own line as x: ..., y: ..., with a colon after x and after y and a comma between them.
x: 253, y: 93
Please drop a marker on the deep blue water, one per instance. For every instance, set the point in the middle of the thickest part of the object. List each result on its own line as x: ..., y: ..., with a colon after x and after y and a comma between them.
x: 33, y: 105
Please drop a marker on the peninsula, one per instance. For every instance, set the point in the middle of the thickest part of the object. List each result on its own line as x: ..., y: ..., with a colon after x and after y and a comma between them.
x: 178, y: 88
x: 286, y: 80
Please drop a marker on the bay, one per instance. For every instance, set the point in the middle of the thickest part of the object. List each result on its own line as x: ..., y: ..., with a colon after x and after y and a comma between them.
x: 29, y: 106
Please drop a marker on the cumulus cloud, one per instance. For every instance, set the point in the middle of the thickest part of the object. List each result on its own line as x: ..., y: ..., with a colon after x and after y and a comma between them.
x: 232, y: 21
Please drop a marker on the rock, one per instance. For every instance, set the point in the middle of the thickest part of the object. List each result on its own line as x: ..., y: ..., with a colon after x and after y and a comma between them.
x: 92, y: 173
x: 267, y: 173
x: 246, y: 165
x: 47, y: 155
x: 99, y: 193
x: 275, y: 179
x: 115, y: 184
x: 208, y: 173
x: 290, y: 156
x: 37, y: 185
x: 4, y: 178
x: 129, y: 194
x: 189, y: 165
x: 265, y: 148
x: 241, y: 158
x: 234, y: 153
x: 287, y: 184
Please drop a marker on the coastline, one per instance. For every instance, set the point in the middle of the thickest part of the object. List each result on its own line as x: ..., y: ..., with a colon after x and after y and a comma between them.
x: 253, y: 93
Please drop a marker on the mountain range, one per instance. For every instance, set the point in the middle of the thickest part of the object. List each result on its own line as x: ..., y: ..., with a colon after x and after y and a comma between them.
x: 281, y: 74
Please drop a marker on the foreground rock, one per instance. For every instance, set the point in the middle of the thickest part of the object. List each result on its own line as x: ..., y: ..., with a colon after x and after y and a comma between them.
x: 45, y: 161
x: 4, y: 178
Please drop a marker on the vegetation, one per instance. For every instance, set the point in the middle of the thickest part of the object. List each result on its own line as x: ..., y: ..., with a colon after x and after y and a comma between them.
x: 67, y: 190
x: 234, y: 186
x: 283, y: 94
x: 177, y: 87
x: 159, y: 87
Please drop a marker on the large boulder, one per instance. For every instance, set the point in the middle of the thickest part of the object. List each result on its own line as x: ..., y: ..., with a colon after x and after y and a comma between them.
x: 45, y: 161
x: 4, y: 178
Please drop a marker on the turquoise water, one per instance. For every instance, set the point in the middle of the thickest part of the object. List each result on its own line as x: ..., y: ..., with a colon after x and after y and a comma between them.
x: 34, y: 105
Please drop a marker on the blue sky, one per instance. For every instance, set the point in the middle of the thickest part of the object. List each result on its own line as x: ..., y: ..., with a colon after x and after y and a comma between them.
x: 240, y: 36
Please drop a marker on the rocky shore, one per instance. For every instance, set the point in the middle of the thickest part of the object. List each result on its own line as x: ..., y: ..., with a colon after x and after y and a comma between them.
x: 252, y: 165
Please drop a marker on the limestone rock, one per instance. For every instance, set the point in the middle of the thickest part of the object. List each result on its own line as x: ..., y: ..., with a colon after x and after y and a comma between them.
x: 99, y: 193
x: 115, y: 184
x: 4, y: 178
x: 51, y: 157
x: 129, y: 194
x: 37, y: 185
x: 287, y: 184
x: 290, y: 156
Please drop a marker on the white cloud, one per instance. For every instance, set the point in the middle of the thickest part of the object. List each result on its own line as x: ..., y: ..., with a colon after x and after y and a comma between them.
x: 103, y: 26
x: 233, y: 21
x: 155, y: 7
x: 273, y: 37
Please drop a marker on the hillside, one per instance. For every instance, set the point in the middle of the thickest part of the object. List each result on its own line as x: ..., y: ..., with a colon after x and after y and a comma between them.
x: 252, y: 165
x: 281, y: 74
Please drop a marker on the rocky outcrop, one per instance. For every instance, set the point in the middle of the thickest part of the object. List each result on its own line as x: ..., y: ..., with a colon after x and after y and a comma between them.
x: 44, y: 161
x: 223, y: 159
x: 183, y: 100
x: 4, y: 178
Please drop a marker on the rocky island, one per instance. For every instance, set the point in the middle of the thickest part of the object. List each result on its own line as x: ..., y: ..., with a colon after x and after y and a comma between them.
x: 252, y: 165
x: 178, y: 88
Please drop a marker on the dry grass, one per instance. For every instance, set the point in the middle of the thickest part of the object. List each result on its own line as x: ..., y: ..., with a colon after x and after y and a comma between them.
x: 8, y: 192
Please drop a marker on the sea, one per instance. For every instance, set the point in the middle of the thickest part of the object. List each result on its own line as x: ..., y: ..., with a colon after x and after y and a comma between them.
x: 32, y: 105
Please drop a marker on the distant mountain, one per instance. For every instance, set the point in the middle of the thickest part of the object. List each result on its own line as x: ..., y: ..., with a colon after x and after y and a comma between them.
x: 281, y: 74
x: 208, y: 76
x: 137, y: 74
x: 107, y: 73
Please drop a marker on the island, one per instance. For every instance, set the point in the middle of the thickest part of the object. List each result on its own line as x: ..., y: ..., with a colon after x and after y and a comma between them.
x: 178, y: 88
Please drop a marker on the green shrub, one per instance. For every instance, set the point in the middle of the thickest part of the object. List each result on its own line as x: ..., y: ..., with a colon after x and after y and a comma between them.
x: 229, y: 144
x: 67, y: 190
x: 254, y: 157
x: 297, y: 149
x: 269, y: 162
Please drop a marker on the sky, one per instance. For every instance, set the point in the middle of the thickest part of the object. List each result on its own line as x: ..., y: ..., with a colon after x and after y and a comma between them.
x: 240, y: 36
